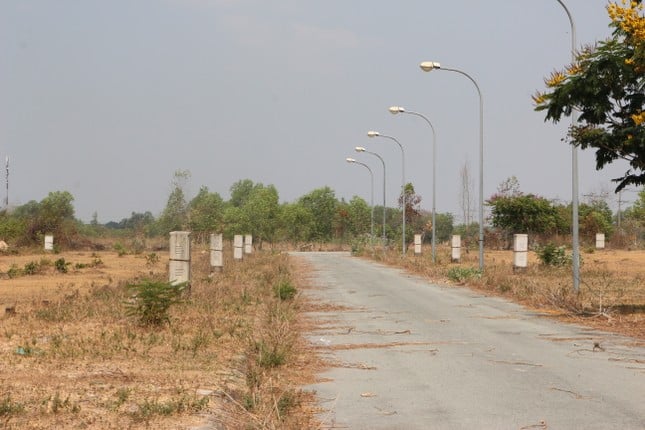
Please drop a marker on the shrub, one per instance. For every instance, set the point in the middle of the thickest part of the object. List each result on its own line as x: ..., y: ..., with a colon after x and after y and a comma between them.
x: 462, y: 274
x: 14, y: 271
x: 120, y: 249
x: 61, y: 265
x: 152, y: 300
x: 285, y: 290
x: 31, y: 268
x: 551, y: 255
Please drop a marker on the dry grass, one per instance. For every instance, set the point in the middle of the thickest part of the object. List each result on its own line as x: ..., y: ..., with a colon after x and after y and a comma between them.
x: 612, y: 287
x: 71, y: 357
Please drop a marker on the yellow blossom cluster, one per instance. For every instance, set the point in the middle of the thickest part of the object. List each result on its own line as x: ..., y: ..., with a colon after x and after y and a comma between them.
x: 629, y: 15
x: 556, y: 78
x: 639, y: 118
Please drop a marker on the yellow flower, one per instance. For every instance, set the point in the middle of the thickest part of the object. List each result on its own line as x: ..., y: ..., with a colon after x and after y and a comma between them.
x: 555, y: 79
x: 639, y: 118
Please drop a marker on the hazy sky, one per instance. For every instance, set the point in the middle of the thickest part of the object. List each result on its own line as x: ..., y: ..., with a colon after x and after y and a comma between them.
x: 107, y: 99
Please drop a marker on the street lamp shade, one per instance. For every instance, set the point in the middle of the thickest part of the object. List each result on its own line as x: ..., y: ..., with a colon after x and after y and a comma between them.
x: 373, y: 133
x: 396, y: 109
x: 350, y: 160
x: 359, y: 149
x: 428, y: 66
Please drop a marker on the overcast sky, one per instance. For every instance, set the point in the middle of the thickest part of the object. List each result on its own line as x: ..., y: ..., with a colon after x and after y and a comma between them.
x: 107, y: 99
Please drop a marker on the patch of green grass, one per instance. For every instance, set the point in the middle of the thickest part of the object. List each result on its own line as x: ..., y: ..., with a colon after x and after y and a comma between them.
x: 285, y: 290
x: 463, y: 274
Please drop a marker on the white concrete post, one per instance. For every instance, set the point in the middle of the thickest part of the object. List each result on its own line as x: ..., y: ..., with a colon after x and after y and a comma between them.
x: 417, y: 244
x: 520, y: 251
x: 248, y: 244
x: 238, y: 247
x: 455, y: 245
x: 49, y: 242
x: 600, y: 240
x: 179, y: 264
x: 217, y: 251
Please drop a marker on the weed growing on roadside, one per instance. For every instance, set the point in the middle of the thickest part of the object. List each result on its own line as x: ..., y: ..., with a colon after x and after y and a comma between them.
x: 463, y: 274
x: 284, y: 290
x: 151, y: 301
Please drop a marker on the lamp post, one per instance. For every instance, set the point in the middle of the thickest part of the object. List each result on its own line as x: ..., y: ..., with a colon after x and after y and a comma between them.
x: 396, y: 110
x: 352, y: 161
x: 361, y: 149
x: 428, y: 66
x: 372, y: 133
x: 575, y: 228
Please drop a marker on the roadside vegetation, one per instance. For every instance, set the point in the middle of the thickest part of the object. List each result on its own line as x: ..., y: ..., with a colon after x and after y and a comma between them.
x: 137, y: 352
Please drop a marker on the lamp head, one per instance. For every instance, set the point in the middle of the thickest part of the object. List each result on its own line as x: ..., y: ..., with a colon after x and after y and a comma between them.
x: 428, y: 66
x: 373, y: 133
x: 350, y: 160
x: 359, y: 149
x: 396, y: 109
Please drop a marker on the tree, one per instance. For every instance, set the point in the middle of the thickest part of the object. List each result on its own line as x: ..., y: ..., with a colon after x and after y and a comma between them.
x: 261, y: 208
x: 205, y: 213
x: 510, y: 187
x: 359, y: 213
x: 606, y: 84
x: 523, y: 214
x: 175, y: 215
x: 322, y: 204
x: 240, y: 192
x: 411, y: 203
x: 296, y: 222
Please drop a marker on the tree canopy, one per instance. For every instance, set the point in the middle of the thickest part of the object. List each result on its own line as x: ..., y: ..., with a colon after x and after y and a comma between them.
x: 606, y: 84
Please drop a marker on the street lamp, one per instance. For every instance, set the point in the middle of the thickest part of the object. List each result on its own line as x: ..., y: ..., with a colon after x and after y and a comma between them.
x: 575, y: 228
x: 351, y: 160
x: 396, y: 110
x: 428, y: 66
x: 372, y: 133
x: 361, y: 149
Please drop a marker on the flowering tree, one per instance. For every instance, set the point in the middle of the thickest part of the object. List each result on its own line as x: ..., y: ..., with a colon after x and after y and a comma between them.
x: 606, y: 84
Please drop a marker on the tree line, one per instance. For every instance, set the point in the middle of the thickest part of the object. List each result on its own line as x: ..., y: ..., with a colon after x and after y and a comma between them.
x: 318, y: 216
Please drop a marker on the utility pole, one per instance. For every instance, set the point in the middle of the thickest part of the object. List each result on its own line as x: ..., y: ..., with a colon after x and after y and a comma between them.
x: 6, y: 200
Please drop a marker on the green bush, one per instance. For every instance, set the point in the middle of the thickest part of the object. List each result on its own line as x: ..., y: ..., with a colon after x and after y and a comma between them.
x: 551, y: 255
x: 61, y: 265
x: 462, y: 274
x: 31, y: 268
x: 14, y: 271
x: 285, y: 290
x: 120, y: 249
x: 151, y: 301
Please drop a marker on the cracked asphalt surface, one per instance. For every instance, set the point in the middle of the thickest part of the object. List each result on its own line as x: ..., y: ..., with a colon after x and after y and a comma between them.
x: 408, y: 354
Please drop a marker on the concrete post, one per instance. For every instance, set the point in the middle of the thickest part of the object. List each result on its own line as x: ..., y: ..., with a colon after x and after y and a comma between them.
x: 238, y: 247
x: 520, y: 252
x: 417, y: 244
x: 217, y: 252
x: 179, y: 264
x: 455, y: 245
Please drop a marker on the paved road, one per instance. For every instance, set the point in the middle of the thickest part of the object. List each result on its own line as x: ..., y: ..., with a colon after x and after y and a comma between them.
x: 413, y: 355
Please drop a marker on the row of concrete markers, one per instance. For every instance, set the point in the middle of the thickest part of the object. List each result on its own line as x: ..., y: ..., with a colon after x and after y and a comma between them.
x: 179, y: 255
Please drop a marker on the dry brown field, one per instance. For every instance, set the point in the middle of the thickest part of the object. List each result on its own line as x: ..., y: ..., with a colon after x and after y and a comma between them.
x: 70, y: 357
